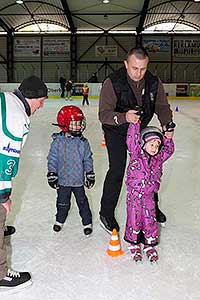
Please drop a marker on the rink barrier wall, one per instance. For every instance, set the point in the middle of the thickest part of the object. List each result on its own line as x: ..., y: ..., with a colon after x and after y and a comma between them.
x: 183, y: 98
x: 174, y: 91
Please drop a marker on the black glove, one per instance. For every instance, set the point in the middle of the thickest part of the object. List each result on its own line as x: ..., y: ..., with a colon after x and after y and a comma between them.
x: 169, y: 127
x: 139, y: 110
x: 52, y: 178
x: 89, y: 179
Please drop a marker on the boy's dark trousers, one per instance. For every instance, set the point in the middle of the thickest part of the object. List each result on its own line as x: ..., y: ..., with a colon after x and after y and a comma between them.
x: 64, y: 201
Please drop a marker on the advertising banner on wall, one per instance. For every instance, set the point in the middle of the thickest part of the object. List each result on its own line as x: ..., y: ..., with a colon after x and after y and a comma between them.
x: 106, y: 51
x: 156, y: 45
x: 182, y: 90
x: 26, y: 47
x: 186, y: 47
x: 56, y: 47
x: 194, y: 90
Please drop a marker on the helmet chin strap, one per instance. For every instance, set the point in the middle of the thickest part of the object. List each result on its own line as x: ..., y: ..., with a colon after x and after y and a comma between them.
x: 76, y: 133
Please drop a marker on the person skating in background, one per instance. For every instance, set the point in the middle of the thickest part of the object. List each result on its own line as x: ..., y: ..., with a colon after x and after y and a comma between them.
x: 70, y: 167
x: 62, y: 81
x: 68, y: 87
x: 132, y: 85
x: 85, y: 92
x: 15, y: 110
x: 148, y: 151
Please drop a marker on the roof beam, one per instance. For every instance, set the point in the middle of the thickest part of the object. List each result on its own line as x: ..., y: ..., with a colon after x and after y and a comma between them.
x: 5, y: 26
x: 68, y: 15
x: 169, y: 1
x: 140, y: 27
x: 182, y: 13
x: 32, y: 16
x: 103, y: 14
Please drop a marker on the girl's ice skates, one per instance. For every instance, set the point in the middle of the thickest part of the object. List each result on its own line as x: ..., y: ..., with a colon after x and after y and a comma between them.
x: 151, y: 253
x: 136, y: 253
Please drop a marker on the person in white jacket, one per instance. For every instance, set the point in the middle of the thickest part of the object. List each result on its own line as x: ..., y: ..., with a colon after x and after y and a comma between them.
x: 15, y: 110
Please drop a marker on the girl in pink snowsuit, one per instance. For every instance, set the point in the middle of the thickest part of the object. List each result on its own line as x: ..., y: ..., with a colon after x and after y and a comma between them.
x: 148, y: 151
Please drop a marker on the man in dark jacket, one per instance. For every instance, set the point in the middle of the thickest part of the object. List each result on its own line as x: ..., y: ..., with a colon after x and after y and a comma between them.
x: 62, y: 81
x: 122, y: 93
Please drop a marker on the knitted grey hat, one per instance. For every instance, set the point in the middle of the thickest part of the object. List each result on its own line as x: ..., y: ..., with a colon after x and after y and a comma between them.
x: 33, y: 87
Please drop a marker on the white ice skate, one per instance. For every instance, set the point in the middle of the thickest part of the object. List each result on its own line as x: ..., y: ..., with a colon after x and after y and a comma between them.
x: 151, y: 253
x: 136, y: 253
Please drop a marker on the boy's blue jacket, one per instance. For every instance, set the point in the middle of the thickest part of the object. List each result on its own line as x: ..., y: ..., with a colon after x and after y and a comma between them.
x: 70, y: 157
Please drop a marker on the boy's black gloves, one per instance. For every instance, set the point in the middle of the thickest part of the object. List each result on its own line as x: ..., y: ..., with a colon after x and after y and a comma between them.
x: 89, y: 179
x: 52, y: 178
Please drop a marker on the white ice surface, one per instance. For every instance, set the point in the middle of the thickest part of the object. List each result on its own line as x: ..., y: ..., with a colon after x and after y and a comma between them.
x: 68, y: 266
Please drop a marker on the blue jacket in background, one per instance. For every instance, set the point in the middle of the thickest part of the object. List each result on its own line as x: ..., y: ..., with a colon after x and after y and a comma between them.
x: 70, y: 157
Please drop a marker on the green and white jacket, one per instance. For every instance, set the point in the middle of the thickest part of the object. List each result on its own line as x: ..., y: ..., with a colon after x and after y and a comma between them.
x: 14, y: 127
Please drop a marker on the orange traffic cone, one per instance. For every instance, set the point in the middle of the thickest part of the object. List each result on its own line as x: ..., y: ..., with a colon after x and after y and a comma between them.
x: 114, y: 248
x: 103, y: 143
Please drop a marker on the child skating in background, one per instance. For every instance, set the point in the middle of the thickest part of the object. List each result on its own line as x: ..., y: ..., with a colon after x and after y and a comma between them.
x: 85, y: 92
x: 70, y: 167
x: 148, y: 151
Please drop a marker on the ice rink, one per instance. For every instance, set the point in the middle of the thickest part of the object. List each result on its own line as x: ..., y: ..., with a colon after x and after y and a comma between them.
x: 69, y: 266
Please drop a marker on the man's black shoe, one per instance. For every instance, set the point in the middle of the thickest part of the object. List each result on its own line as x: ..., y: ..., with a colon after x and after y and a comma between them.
x: 160, y: 217
x: 9, y: 230
x: 109, y: 224
x: 15, y: 280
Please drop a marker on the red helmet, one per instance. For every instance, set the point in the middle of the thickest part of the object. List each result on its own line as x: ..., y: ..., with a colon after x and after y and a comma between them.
x: 71, y: 119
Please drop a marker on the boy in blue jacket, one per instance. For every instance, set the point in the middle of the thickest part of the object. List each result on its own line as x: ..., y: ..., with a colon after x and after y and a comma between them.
x: 70, y: 167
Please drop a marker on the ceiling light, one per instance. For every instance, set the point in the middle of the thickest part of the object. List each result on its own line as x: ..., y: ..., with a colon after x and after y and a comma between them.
x: 196, y: 0
x: 106, y: 1
x: 19, y: 1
